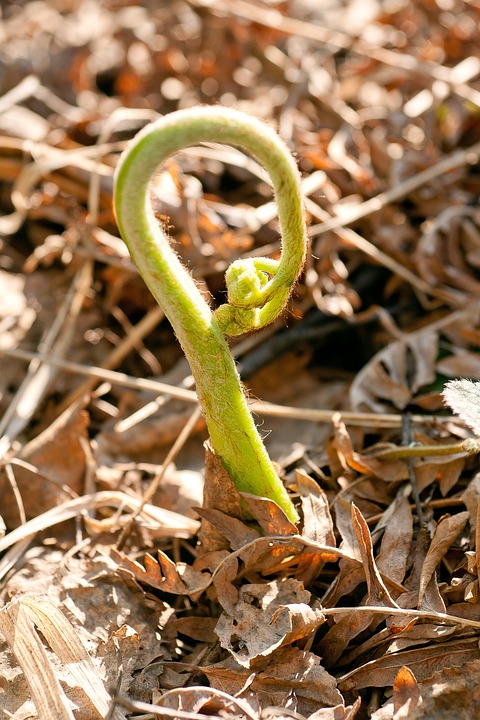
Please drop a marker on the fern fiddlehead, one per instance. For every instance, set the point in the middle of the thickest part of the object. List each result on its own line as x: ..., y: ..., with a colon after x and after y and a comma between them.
x: 257, y: 289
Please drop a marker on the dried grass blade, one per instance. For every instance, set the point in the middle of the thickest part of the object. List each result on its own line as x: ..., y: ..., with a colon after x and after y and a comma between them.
x: 69, y: 649
x: 47, y: 694
x: 175, y: 525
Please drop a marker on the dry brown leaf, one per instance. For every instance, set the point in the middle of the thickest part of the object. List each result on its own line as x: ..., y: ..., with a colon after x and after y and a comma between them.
x: 415, y: 634
x: 317, y: 520
x: 378, y: 594
x: 445, y: 472
x: 456, y: 688
x: 269, y: 515
x: 164, y: 574
x: 445, y: 534
x: 223, y: 581
x: 275, y: 554
x: 339, y: 712
x: 163, y: 522
x: 52, y: 468
x: 423, y: 662
x: 219, y: 493
x: 334, y: 643
x: 205, y: 701
x: 387, y: 470
x: 291, y: 678
x: 267, y: 617
x: 461, y: 364
x: 395, y: 548
x: 420, y: 547
x: 407, y: 700
x: 343, y: 518
x: 197, y: 628
x: 388, y: 380
x: 471, y: 500
x: 107, y: 615
x: 232, y: 529
x: 317, y: 526
x: 442, y: 252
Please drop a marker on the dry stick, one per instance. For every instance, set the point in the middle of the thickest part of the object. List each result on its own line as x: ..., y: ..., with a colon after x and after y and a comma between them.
x: 148, y: 323
x: 171, y: 523
x: 408, y: 612
x: 457, y: 159
x: 384, y: 420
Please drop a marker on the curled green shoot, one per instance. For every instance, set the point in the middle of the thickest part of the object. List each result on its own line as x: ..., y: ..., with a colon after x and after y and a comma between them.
x: 257, y: 289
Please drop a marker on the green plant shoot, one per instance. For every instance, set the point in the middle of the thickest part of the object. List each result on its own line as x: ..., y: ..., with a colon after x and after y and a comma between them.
x: 257, y: 289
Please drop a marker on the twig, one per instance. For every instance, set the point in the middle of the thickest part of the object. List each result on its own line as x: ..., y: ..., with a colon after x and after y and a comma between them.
x: 377, y: 420
x: 469, y: 156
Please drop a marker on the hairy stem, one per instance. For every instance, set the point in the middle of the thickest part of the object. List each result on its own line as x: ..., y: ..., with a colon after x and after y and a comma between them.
x: 257, y: 289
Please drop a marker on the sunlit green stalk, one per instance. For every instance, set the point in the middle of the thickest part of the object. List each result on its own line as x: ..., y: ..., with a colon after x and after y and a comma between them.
x: 257, y: 288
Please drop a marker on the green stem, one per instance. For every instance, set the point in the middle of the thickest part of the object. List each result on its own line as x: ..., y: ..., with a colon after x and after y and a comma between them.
x: 470, y: 446
x: 257, y: 289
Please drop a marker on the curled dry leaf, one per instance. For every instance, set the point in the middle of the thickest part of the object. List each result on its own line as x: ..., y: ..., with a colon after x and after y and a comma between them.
x: 423, y: 662
x: 392, y: 560
x: 269, y: 515
x: 393, y: 376
x: 219, y: 493
x: 387, y: 470
x: 265, y: 618
x: 338, y: 712
x: 448, y: 246
x: 446, y: 532
x: 445, y: 472
x: 334, y: 643
x: 237, y: 532
x: 317, y: 526
x: 377, y: 591
x: 205, y: 701
x: 51, y: 468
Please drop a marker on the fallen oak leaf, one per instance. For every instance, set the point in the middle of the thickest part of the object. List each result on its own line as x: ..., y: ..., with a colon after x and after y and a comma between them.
x: 164, y: 574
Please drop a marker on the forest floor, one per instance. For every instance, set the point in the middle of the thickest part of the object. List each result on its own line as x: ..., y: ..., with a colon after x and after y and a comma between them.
x: 124, y: 592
